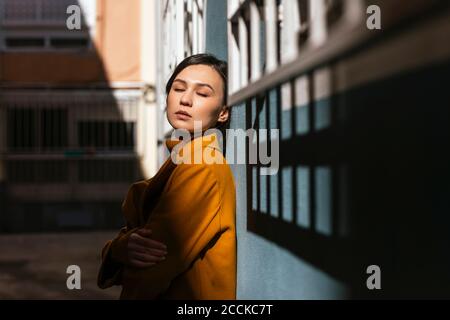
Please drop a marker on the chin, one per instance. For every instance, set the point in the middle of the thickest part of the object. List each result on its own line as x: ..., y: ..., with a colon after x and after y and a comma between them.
x: 180, y: 124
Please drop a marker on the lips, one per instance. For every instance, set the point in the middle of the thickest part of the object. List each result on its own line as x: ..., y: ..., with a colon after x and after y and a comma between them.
x: 183, y: 113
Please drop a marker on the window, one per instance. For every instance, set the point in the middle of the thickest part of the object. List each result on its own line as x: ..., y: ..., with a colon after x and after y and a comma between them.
x: 53, y: 128
x: 54, y: 9
x: 41, y: 25
x: 292, y: 31
x: 25, y: 42
x: 32, y: 129
x: 46, y: 42
x: 21, y: 131
x: 303, y: 33
x: 92, y: 134
x: 115, y: 135
x: 331, y: 11
x: 64, y: 43
x: 35, y: 11
x: 19, y: 10
x: 121, y: 135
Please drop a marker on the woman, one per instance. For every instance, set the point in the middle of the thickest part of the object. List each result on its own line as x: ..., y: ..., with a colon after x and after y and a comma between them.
x: 180, y: 239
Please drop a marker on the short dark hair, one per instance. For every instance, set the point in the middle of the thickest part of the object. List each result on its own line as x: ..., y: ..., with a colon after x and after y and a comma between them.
x: 205, y: 59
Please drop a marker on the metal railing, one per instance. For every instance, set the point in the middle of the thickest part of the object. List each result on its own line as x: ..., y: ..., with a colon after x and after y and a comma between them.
x: 61, y: 137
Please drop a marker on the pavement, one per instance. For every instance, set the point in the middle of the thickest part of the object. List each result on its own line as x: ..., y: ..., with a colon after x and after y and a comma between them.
x: 33, y: 266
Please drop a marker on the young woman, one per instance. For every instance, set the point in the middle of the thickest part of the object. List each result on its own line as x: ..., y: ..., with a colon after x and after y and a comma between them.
x: 180, y: 239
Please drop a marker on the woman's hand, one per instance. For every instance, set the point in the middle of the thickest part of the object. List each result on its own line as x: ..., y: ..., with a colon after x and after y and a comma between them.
x: 143, y: 251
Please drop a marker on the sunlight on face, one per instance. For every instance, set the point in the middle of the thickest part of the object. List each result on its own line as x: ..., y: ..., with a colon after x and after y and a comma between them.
x: 196, y: 95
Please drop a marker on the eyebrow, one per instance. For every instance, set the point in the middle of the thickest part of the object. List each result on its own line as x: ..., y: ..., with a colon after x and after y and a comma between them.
x: 196, y: 83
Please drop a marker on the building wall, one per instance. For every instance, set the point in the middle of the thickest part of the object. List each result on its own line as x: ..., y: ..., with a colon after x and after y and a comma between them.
x: 355, y: 109
x: 114, y: 56
x: 343, y: 195
x: 119, y: 39
x: 265, y: 270
x: 180, y: 33
x: 216, y: 24
x: 66, y: 152
x: 52, y: 67
x: 46, y: 62
x: 148, y: 131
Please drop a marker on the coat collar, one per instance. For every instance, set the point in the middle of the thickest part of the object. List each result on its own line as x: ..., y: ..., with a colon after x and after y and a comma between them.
x: 150, y: 190
x: 209, y: 140
x: 194, y: 150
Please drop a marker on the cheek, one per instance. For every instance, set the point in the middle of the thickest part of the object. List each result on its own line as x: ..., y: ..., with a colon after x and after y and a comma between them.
x: 204, y: 109
x: 170, y: 101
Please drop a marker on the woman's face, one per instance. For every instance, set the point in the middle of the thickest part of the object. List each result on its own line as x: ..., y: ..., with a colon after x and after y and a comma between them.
x: 196, y: 95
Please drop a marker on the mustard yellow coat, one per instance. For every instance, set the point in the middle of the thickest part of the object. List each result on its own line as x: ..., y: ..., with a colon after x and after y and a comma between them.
x: 192, y: 209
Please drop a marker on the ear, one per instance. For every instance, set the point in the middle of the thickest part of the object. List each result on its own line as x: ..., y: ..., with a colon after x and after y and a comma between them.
x: 223, y: 115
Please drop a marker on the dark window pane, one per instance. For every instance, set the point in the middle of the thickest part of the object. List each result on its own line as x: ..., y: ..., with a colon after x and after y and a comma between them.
x: 21, y: 130
x: 92, y: 134
x: 121, y: 135
x: 54, y: 128
x: 304, y: 22
x: 24, y: 42
x: 69, y: 42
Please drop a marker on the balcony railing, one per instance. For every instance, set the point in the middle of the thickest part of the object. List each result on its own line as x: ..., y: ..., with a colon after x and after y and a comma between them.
x: 21, y: 13
x: 46, y: 134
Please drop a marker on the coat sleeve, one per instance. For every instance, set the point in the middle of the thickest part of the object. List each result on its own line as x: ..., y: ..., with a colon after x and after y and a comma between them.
x: 114, y: 258
x: 114, y: 253
x: 187, y: 220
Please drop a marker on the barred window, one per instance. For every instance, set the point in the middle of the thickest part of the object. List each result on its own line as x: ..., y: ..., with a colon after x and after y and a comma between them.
x: 121, y: 135
x: 92, y: 134
x: 36, y: 10
x: 67, y: 43
x: 115, y: 135
x: 32, y: 129
x: 20, y: 10
x: 304, y: 14
x: 37, y: 25
x: 21, y: 131
x: 54, y: 128
x: 24, y: 42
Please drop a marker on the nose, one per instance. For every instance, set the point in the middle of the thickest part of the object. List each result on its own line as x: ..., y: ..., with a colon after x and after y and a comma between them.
x: 186, y: 99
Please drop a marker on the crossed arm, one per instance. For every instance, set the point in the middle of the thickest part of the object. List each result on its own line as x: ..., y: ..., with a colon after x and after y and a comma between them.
x: 186, y: 219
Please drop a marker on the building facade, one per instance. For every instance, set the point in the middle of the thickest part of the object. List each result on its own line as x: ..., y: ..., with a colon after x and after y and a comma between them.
x: 77, y: 110
x: 357, y: 185
x: 353, y: 92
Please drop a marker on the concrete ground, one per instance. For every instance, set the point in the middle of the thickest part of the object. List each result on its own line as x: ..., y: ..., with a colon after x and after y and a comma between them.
x: 33, y: 266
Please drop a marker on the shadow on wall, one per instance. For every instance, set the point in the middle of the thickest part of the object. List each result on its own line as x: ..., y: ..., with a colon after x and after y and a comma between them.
x: 70, y: 139
x: 363, y: 180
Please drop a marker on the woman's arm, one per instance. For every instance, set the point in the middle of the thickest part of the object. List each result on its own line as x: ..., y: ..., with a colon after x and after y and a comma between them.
x: 114, y: 256
x: 187, y: 220
x: 132, y: 246
x: 143, y: 251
